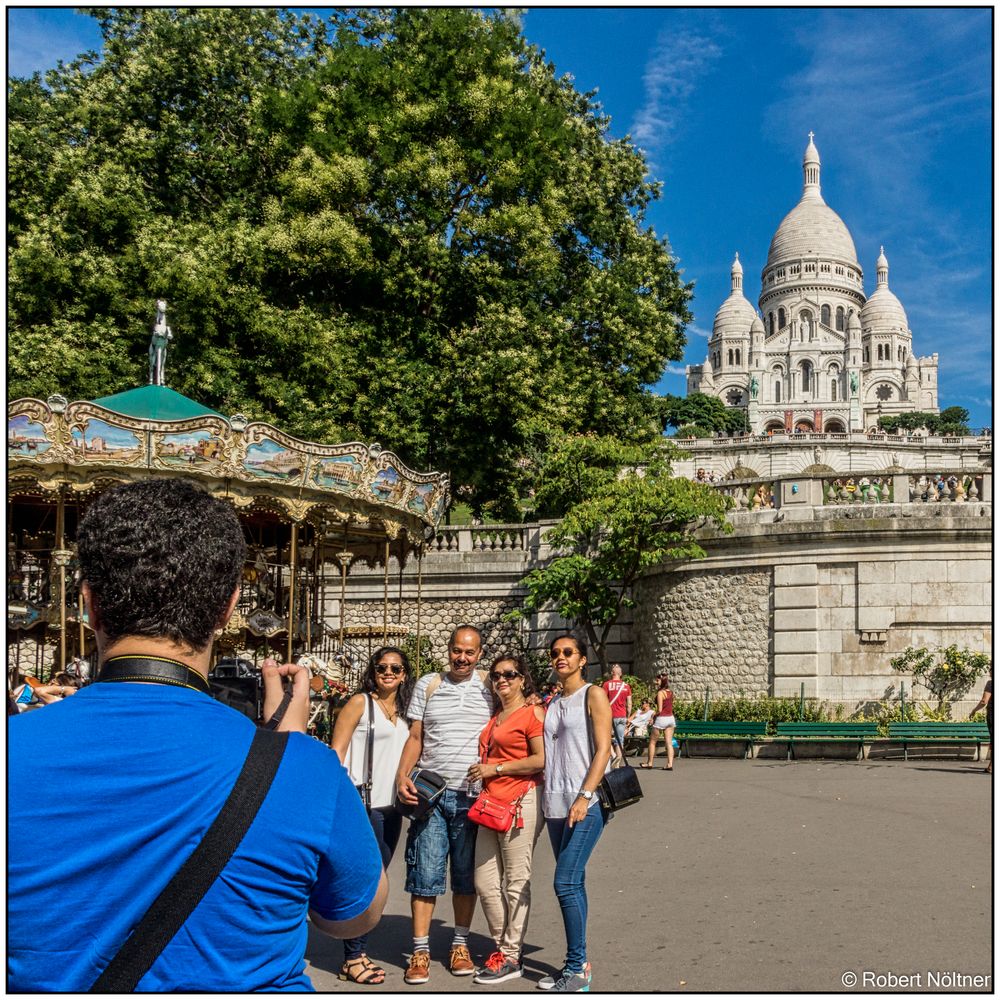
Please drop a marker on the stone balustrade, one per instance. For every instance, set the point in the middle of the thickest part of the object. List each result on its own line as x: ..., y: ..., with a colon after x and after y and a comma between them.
x: 484, y: 538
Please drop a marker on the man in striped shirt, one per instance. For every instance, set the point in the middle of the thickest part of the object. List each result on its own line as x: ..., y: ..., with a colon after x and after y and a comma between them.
x: 447, y: 713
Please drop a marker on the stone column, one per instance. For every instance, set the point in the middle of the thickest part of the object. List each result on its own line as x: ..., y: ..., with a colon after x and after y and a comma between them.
x: 795, y: 630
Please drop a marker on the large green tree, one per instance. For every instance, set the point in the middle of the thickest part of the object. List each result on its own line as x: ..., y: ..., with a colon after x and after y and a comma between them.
x: 630, y: 514
x: 700, y: 415
x: 398, y: 224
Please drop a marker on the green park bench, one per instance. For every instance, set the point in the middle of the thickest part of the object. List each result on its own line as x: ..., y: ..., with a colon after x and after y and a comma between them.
x: 935, y: 732
x: 860, y: 732
x: 748, y: 732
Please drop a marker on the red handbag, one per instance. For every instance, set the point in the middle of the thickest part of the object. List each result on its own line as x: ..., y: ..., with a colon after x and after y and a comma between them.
x: 493, y: 813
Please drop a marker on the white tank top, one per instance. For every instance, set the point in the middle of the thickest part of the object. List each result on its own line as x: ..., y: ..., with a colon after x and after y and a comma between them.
x: 388, y: 748
x: 567, y: 753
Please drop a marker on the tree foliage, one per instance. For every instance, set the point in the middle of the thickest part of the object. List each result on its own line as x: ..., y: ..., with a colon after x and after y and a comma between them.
x: 630, y: 517
x: 700, y: 415
x: 948, y: 674
x: 953, y: 421
x: 398, y: 224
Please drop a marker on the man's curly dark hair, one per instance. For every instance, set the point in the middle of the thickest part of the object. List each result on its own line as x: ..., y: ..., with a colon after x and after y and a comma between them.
x: 162, y: 559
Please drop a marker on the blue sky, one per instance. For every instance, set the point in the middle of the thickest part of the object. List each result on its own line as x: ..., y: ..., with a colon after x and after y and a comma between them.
x: 722, y: 100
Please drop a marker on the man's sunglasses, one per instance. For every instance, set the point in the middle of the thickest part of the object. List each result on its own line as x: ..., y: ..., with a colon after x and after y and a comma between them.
x: 390, y: 668
x: 505, y: 675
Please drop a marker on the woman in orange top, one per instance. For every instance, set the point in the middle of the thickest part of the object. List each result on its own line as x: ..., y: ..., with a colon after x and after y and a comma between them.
x: 511, y: 758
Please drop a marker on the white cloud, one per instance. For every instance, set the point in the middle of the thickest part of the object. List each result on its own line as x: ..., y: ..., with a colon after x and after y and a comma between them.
x: 698, y: 331
x: 681, y: 58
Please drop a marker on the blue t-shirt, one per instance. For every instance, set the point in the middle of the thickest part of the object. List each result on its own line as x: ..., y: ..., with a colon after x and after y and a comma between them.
x: 111, y: 790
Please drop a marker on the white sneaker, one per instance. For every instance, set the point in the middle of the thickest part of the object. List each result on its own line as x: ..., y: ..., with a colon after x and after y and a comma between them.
x: 547, y: 982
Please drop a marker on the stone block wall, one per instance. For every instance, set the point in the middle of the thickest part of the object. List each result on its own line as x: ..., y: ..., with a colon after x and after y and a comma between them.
x: 707, y: 630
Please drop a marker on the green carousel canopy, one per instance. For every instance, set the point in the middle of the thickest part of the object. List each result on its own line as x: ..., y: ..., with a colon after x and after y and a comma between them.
x: 155, y: 402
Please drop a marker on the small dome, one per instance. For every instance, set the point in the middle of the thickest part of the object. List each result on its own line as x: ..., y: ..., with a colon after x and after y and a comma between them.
x: 853, y: 323
x: 757, y: 326
x: 884, y: 312
x: 735, y: 316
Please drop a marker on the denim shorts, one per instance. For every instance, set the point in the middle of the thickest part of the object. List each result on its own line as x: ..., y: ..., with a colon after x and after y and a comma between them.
x: 444, y: 832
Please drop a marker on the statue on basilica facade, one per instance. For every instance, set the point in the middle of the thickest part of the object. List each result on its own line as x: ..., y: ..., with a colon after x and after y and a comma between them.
x: 754, y: 386
x: 854, y: 383
x: 158, y: 345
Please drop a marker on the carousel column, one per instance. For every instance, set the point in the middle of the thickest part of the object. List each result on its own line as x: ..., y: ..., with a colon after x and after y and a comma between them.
x: 385, y: 597
x: 291, y: 587
x: 344, y: 558
x: 420, y: 580
x: 61, y: 556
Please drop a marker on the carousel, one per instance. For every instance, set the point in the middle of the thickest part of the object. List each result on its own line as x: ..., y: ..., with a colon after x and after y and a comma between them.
x: 309, y: 511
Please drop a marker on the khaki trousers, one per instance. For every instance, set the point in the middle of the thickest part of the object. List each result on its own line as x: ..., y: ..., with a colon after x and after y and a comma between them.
x: 503, y: 875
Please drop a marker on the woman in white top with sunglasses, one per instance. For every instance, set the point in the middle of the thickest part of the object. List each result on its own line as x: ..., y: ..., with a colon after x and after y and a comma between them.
x: 383, y: 698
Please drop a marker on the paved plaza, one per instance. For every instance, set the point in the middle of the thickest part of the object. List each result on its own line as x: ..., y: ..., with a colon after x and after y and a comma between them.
x: 754, y: 876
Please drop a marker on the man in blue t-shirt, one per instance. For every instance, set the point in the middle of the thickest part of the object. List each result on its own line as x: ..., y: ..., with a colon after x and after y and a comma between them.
x: 153, y: 762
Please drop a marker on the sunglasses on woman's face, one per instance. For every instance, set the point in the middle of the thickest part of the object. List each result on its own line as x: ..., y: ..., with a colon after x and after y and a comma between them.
x: 505, y: 675
x: 390, y: 668
x: 565, y: 651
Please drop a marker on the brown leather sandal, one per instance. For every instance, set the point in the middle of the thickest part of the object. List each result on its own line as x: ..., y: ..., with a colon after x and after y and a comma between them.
x: 363, y: 971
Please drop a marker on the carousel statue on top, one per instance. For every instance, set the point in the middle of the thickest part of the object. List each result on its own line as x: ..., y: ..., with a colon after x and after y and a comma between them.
x: 158, y: 345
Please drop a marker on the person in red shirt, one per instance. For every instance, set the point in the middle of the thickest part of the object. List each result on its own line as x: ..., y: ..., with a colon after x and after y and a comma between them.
x: 620, y: 695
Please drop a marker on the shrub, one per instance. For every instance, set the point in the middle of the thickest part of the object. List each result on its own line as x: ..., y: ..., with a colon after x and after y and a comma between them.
x: 948, y: 674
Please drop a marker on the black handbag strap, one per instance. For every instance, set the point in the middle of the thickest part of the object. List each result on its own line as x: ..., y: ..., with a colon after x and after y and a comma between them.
x: 590, y: 728
x: 370, y: 749
x: 185, y: 890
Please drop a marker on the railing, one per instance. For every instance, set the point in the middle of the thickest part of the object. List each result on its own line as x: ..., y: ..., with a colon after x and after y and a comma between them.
x: 847, y: 490
x: 945, y: 488
x: 984, y: 442
x: 749, y: 496
x: 482, y: 538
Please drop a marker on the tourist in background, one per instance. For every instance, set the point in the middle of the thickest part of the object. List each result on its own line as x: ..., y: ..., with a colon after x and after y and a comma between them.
x: 620, y: 698
x: 577, y: 755
x: 511, y: 755
x: 663, y: 722
x: 380, y: 708
x: 987, y: 702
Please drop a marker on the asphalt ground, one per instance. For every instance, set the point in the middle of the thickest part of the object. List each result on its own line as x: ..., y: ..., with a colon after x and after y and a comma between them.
x: 754, y: 876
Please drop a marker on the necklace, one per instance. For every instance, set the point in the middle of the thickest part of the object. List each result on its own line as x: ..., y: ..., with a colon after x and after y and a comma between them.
x: 391, y: 716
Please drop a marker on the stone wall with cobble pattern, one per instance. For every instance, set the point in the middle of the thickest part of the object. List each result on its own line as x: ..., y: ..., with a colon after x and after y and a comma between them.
x: 707, y: 630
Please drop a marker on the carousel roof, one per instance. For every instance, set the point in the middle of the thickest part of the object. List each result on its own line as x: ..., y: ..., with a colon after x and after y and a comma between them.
x: 155, y: 402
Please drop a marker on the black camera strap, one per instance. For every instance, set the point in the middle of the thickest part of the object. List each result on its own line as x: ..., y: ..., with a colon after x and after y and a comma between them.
x: 153, y: 670
x: 186, y: 889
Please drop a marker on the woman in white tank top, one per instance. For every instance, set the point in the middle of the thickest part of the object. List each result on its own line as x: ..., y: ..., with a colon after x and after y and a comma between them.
x: 574, y: 816
x: 380, y: 707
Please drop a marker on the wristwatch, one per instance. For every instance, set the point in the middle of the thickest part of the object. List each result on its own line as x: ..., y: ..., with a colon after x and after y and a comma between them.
x: 584, y: 794
x: 499, y: 768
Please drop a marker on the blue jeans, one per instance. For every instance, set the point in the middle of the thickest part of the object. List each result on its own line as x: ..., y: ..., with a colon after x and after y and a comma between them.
x: 444, y: 832
x: 572, y: 848
x: 619, y: 728
x: 387, y: 825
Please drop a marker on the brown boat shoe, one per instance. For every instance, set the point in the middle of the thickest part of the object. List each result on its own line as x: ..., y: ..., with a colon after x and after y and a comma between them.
x: 419, y: 969
x: 460, y: 961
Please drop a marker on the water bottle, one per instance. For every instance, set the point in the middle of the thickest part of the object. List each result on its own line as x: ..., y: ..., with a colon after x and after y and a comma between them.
x: 475, y: 786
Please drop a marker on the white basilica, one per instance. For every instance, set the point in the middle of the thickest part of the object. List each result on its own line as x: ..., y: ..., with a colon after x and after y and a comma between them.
x: 819, y: 355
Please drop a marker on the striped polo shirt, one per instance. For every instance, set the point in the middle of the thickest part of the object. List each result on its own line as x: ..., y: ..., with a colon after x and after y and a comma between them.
x: 453, y: 719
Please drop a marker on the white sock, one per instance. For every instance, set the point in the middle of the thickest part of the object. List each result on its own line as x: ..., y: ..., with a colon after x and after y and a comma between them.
x: 461, y: 936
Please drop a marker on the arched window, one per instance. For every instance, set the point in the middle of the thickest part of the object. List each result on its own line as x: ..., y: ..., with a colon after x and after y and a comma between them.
x: 840, y: 318
x: 833, y: 389
x: 770, y: 324
x: 730, y: 355
x: 878, y: 351
x: 866, y: 355
x: 781, y: 319
x: 737, y: 357
x: 805, y: 373
x: 777, y: 390
x: 824, y: 315
x: 899, y: 354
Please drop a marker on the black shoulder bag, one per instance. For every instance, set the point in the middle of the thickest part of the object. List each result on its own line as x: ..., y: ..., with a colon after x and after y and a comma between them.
x: 620, y: 786
x: 186, y: 889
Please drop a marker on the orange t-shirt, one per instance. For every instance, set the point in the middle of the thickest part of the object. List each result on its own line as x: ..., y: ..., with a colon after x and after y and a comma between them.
x: 508, y: 740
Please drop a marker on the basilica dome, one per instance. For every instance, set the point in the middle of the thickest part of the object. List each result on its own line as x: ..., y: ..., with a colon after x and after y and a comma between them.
x: 883, y: 312
x: 812, y: 228
x: 735, y: 314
